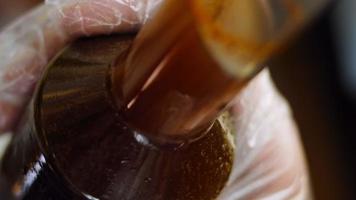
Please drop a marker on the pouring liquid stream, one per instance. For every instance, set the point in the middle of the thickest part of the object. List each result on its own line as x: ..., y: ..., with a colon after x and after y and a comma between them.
x: 182, y: 72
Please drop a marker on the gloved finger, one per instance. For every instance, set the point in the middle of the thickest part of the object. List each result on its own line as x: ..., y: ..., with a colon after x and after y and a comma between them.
x: 269, y: 162
x: 28, y: 44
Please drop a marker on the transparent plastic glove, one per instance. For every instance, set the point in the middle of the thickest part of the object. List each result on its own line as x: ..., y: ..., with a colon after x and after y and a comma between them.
x: 268, y: 163
x: 28, y: 44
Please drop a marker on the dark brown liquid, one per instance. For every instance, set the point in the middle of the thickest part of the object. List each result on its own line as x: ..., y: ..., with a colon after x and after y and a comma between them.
x: 178, y: 92
x: 76, y: 145
x: 185, y: 93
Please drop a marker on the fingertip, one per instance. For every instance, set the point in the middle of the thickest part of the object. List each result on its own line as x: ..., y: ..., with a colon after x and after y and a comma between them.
x: 98, y: 17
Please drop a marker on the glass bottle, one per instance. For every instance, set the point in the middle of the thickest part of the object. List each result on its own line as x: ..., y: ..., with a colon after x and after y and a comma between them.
x: 74, y: 144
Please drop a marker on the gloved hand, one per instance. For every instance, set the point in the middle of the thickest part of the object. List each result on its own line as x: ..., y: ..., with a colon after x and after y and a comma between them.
x: 269, y: 161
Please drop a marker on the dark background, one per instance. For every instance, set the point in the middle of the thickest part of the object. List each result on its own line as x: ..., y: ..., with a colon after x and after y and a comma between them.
x: 311, y: 75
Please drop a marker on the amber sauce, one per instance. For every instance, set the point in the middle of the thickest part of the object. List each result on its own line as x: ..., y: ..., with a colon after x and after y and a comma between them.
x: 184, y: 94
x: 178, y: 94
x: 187, y: 88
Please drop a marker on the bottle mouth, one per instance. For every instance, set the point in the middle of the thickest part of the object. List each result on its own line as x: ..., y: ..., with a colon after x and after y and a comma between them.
x: 240, y: 34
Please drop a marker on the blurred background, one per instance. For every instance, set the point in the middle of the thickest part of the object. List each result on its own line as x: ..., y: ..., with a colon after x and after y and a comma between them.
x: 317, y: 74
